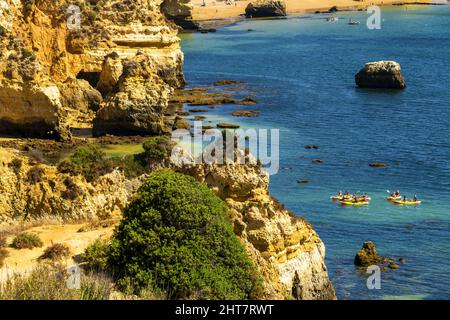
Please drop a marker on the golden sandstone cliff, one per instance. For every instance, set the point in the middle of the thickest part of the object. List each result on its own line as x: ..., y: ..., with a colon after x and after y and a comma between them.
x: 53, y: 55
x: 117, y: 71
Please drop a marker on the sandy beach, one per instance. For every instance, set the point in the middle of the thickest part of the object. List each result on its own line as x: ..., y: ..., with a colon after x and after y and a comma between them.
x: 216, y: 10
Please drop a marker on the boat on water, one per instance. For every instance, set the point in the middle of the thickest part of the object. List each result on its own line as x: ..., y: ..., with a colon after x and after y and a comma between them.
x: 394, y: 198
x: 354, y: 203
x: 407, y: 202
x: 332, y: 19
x: 353, y: 22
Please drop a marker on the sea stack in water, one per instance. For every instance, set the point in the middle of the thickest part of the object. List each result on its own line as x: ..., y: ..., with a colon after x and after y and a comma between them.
x: 367, y: 255
x: 381, y: 74
x: 265, y: 8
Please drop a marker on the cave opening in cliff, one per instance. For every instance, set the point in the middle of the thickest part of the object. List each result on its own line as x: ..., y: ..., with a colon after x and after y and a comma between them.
x: 92, y: 77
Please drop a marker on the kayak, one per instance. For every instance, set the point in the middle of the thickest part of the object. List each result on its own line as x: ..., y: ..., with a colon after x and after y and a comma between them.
x: 339, y: 198
x: 364, y: 199
x: 355, y: 204
x: 407, y: 203
x: 393, y: 198
x: 349, y: 198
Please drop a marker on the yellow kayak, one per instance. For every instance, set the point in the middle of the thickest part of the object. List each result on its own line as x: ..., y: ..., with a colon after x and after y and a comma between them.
x: 407, y: 203
x: 354, y: 204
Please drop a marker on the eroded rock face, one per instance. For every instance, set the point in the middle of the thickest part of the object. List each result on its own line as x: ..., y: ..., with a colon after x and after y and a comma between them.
x: 381, y: 74
x: 40, y: 50
x: 288, y: 252
x: 138, y: 105
x: 265, y: 8
x: 50, y: 195
x: 180, y: 11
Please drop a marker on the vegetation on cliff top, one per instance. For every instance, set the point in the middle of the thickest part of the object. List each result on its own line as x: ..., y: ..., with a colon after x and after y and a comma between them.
x: 176, y: 238
x: 91, y: 161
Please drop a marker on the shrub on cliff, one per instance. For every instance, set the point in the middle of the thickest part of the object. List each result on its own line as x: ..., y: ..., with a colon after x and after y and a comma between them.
x: 27, y: 240
x: 176, y: 237
x: 89, y: 161
x: 95, y: 257
x: 157, y: 150
x: 92, y: 163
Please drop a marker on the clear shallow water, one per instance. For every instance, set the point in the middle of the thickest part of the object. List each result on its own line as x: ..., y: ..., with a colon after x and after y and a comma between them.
x: 302, y: 70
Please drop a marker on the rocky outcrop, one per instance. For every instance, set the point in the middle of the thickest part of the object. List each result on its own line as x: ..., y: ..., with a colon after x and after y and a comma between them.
x: 285, y: 247
x: 265, y: 8
x: 137, y: 106
x: 30, y: 191
x: 381, y: 74
x: 180, y: 12
x: 45, y: 46
x: 368, y: 255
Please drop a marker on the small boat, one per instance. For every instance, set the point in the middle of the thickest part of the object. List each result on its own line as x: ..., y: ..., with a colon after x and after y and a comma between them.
x: 354, y: 204
x: 407, y: 202
x: 363, y: 199
x: 353, y: 22
x: 332, y: 19
x: 394, y: 198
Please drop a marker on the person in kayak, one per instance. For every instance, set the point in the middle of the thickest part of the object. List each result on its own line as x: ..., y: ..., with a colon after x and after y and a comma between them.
x: 404, y: 199
x: 415, y: 198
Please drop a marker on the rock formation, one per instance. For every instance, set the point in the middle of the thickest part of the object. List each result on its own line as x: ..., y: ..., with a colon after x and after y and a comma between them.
x: 265, y: 8
x: 381, y: 74
x: 180, y: 12
x: 138, y: 103
x: 30, y: 191
x: 46, y: 45
x: 367, y: 255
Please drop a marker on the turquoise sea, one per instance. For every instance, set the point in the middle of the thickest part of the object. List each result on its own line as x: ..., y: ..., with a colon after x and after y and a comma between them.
x: 301, y: 71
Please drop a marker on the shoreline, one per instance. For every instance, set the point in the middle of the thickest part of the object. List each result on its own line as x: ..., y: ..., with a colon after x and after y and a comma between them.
x: 220, y: 15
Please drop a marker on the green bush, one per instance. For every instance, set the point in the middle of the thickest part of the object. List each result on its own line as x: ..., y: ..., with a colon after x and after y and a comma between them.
x: 27, y: 240
x: 95, y: 257
x: 176, y: 237
x: 89, y: 161
x: 130, y: 167
x: 156, y: 150
x: 92, y: 163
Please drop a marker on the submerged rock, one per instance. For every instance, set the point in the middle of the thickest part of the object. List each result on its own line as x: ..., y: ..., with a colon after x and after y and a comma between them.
x: 245, y: 113
x: 227, y: 126
x: 227, y: 82
x: 265, y: 8
x: 381, y: 74
x: 377, y: 164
